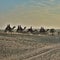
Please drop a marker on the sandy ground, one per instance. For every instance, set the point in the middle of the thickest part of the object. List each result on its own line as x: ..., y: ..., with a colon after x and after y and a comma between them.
x: 29, y: 47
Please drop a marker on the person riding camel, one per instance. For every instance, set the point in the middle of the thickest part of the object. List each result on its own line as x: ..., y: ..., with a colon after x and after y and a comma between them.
x: 42, y: 30
x: 8, y: 28
x: 19, y: 29
x: 30, y: 29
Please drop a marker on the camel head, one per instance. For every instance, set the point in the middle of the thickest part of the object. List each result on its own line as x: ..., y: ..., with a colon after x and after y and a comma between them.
x: 14, y: 27
x: 24, y: 28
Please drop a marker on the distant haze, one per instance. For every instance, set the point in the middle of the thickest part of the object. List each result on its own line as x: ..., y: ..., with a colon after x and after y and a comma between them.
x: 34, y: 13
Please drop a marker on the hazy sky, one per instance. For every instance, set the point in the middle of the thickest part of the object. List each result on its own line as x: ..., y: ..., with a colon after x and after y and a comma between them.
x: 34, y: 13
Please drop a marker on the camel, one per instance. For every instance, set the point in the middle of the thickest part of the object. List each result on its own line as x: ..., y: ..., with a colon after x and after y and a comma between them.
x: 43, y: 31
x: 20, y: 29
x: 30, y: 30
x: 9, y: 29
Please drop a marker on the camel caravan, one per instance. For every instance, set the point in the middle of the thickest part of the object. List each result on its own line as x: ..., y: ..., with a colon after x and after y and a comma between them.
x: 19, y: 29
